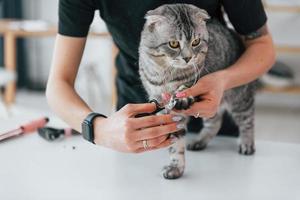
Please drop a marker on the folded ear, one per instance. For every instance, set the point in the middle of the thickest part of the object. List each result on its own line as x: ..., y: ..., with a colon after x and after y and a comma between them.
x: 203, y: 14
x: 199, y: 13
x: 153, y: 19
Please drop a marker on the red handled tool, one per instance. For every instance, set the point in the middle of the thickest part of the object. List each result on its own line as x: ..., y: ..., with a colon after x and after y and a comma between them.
x: 25, y: 129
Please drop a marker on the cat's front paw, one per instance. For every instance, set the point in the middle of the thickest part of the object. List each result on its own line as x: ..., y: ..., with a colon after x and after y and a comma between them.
x: 196, y: 145
x: 183, y: 103
x: 247, y: 148
x: 172, y: 172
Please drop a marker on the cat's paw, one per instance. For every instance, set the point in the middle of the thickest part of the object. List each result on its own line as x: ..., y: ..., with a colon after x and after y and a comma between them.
x: 247, y: 148
x: 183, y: 103
x: 172, y: 172
x: 196, y: 145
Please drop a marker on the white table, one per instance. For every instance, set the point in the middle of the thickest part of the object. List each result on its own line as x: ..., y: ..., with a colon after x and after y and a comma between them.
x: 34, y: 169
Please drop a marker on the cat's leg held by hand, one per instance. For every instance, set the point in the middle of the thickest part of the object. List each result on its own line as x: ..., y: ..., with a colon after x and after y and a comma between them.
x: 182, y: 103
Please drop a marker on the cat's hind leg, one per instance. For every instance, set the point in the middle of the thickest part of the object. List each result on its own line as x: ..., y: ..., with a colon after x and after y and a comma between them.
x: 243, y: 115
x: 176, y: 166
x: 210, y: 129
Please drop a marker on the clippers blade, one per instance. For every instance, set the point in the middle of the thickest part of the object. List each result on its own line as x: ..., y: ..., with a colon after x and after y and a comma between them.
x: 170, y: 105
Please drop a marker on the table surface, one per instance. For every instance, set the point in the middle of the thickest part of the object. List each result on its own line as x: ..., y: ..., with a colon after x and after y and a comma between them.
x: 31, y: 168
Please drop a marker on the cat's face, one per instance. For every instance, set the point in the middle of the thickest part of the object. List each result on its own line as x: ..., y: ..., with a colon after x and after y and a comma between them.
x: 177, y: 36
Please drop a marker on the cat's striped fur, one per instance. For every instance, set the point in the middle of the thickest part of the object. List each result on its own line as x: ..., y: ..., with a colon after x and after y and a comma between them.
x: 164, y: 69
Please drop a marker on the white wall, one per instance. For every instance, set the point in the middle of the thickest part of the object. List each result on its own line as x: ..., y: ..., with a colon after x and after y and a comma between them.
x: 285, y: 28
x: 40, y: 49
x: 97, y: 52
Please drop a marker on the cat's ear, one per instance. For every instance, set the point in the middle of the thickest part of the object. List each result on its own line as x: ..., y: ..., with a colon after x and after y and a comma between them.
x: 154, y: 19
x: 199, y: 13
x: 202, y: 14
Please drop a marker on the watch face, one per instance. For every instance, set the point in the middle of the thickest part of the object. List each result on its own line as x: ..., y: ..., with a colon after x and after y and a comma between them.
x: 86, y: 131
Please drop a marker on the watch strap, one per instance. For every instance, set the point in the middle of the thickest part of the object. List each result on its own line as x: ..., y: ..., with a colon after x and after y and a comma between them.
x: 88, y: 126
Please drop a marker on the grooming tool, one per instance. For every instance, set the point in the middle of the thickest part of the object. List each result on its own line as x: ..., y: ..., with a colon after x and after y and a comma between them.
x: 157, y: 109
x: 51, y: 134
x: 25, y: 129
x: 177, y: 103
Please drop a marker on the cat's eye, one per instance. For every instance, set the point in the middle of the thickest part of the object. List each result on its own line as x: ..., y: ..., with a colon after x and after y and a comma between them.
x: 196, y: 42
x: 174, y: 44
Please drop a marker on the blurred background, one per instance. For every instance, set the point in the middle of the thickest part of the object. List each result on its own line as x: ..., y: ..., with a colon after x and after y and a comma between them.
x: 26, y: 46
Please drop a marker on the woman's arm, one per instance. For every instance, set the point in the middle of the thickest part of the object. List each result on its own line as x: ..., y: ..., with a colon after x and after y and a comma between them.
x: 121, y: 131
x: 61, y: 95
x: 257, y: 59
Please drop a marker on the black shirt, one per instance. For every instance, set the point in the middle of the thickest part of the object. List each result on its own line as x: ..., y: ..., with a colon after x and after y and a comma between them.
x: 125, y: 20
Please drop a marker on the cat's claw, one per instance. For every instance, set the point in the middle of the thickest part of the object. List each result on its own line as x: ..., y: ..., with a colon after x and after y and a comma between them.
x: 247, y: 149
x: 183, y: 103
x: 172, y: 172
x: 196, y: 145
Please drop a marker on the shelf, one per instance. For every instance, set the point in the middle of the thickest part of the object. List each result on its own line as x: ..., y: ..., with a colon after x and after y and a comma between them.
x: 287, y: 49
x: 286, y: 90
x: 281, y: 8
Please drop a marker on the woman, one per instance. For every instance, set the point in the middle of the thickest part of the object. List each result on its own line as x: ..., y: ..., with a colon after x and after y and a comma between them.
x: 122, y: 131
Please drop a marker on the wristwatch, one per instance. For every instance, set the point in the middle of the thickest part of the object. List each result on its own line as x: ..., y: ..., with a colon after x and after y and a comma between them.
x: 88, y: 126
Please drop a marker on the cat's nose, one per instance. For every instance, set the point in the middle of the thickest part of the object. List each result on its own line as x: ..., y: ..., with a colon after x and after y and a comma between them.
x: 187, y: 59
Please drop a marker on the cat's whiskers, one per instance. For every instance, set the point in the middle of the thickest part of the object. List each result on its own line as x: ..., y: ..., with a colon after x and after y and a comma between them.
x: 196, y: 73
x: 206, y: 70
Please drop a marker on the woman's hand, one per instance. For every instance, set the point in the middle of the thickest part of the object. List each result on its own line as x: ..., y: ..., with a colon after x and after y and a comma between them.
x: 125, y: 133
x: 211, y: 89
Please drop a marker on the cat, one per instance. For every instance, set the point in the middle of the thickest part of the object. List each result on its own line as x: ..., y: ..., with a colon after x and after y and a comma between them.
x: 179, y: 44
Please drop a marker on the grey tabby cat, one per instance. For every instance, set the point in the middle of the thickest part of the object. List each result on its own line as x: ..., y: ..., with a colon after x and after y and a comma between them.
x: 180, y: 44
